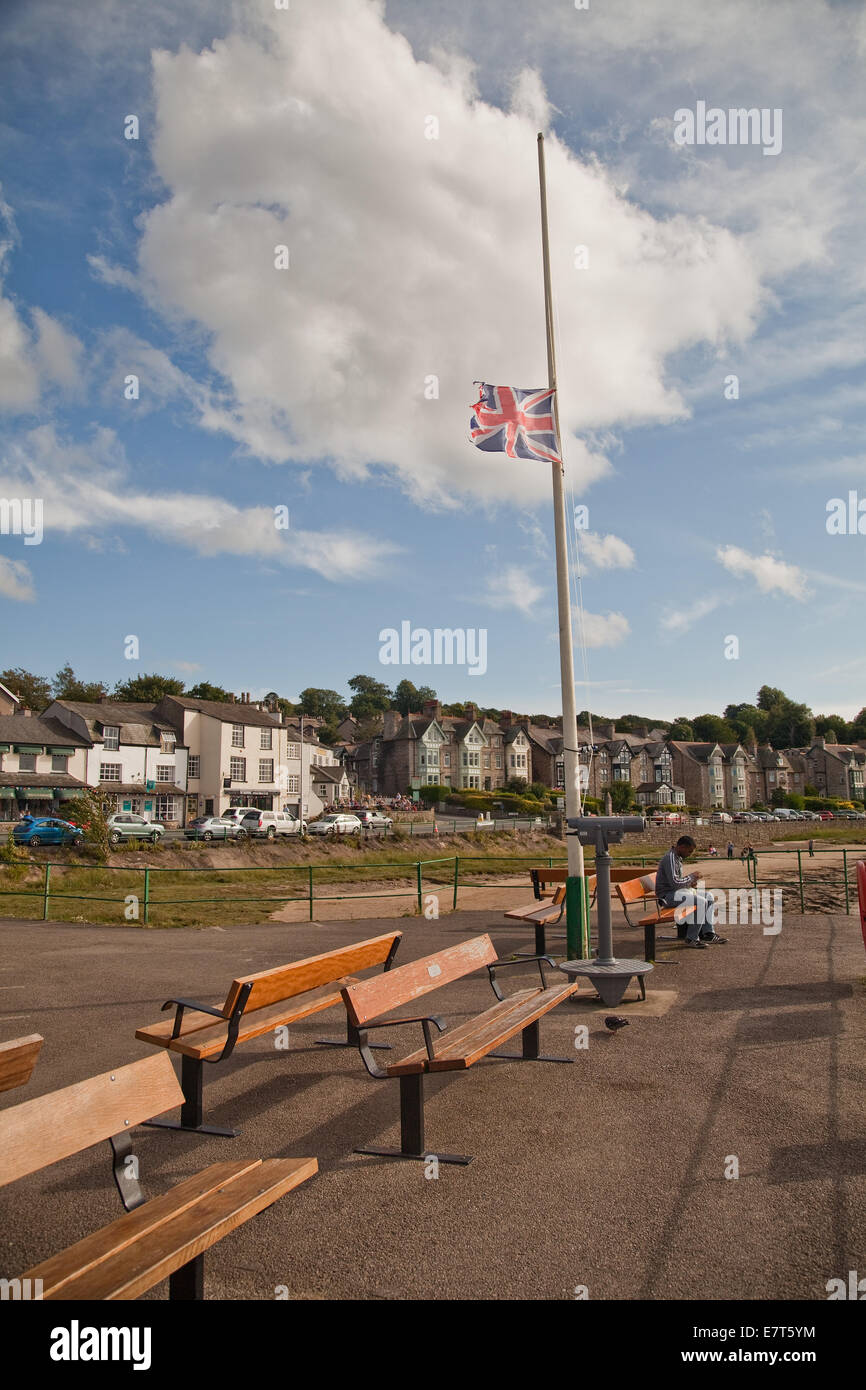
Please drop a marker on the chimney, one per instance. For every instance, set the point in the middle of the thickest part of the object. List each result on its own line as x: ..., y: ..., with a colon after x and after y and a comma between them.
x: 506, y: 719
x: 393, y: 720
x: 471, y: 713
x: 819, y: 741
x: 26, y: 712
x: 432, y: 709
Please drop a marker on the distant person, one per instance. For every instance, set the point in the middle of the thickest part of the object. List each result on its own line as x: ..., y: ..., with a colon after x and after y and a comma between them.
x: 744, y: 854
x: 713, y: 852
x: 811, y: 849
x: 730, y: 849
x: 676, y: 889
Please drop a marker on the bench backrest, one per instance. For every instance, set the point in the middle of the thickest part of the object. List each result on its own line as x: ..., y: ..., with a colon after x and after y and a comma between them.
x: 371, y: 998
x: 633, y: 891
x: 272, y: 986
x: 40, y: 1132
x: 17, y: 1060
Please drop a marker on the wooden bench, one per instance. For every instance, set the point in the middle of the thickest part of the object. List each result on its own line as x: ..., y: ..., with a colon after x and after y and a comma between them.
x: 17, y: 1060
x: 458, y: 1048
x: 257, y: 1004
x: 540, y: 917
x: 162, y: 1238
x: 636, y: 891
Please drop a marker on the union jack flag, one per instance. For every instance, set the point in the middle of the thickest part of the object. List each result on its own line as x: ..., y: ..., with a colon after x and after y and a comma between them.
x: 515, y: 422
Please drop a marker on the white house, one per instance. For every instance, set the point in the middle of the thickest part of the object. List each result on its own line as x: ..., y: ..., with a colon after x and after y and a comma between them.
x: 42, y: 764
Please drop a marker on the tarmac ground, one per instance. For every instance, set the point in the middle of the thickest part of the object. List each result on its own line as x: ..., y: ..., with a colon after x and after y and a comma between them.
x: 614, y: 1174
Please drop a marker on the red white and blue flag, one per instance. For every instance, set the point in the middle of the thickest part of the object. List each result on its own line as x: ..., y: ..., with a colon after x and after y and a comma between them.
x: 508, y: 420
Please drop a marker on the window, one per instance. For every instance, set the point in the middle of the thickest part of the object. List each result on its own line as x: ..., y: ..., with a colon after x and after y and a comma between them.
x: 266, y: 769
x: 59, y: 762
x: 293, y: 783
x: 293, y: 750
x: 165, y: 772
x: 110, y: 738
x: 267, y: 738
x: 237, y: 735
x: 110, y: 772
x: 166, y: 808
x: 446, y: 759
x: 498, y: 759
x: 194, y: 768
x: 238, y: 769
x: 26, y: 762
x: 166, y: 743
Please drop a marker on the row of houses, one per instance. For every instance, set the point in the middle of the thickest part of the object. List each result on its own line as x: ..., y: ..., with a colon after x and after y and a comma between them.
x: 171, y: 762
x: 476, y: 753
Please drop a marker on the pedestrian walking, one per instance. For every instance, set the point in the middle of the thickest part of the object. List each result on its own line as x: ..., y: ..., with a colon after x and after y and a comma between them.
x: 730, y: 849
x: 811, y: 849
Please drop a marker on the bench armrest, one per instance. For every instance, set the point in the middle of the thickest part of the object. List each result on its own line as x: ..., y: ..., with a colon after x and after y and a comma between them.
x: 234, y: 1021
x: 524, y: 960
x: 424, y: 1019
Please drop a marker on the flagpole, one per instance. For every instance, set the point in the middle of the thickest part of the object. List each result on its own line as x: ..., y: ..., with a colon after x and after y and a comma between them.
x: 566, y: 645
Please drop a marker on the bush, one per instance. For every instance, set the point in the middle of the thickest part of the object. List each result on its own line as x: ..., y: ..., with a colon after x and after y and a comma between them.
x: 90, y: 809
x: 431, y: 796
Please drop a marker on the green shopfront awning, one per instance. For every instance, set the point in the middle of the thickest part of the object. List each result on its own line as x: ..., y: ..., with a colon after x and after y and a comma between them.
x: 7, y: 794
x: 63, y: 752
x: 68, y: 793
x: 35, y: 793
x: 28, y: 748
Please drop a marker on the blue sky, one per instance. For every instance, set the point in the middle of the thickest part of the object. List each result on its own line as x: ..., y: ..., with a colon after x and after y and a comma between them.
x: 413, y: 257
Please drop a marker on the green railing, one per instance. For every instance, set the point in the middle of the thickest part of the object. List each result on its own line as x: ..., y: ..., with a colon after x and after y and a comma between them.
x: 752, y: 870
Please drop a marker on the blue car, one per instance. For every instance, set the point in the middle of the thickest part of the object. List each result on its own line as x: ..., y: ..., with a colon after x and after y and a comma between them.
x: 46, y: 830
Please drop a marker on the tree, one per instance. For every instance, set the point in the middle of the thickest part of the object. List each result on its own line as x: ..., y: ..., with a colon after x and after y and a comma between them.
x: 67, y: 686
x: 148, y: 690
x: 322, y: 704
x: 90, y: 809
x: 370, y: 696
x: 682, y: 729
x: 621, y: 796
x: 744, y: 717
x: 712, y: 728
x: 205, y: 691
x: 407, y: 698
x: 34, y: 692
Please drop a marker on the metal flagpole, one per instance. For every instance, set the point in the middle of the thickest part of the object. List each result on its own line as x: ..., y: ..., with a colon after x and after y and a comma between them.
x: 577, y: 928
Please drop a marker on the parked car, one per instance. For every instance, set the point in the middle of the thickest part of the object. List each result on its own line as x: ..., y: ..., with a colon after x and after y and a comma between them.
x: 268, y: 825
x: 46, y: 830
x: 336, y: 824
x: 720, y: 818
x: 374, y: 820
x: 214, y: 828
x: 236, y: 813
x: 827, y: 815
x: 127, y: 826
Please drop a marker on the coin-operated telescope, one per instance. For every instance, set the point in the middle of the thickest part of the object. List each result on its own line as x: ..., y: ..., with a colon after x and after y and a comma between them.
x: 610, y: 976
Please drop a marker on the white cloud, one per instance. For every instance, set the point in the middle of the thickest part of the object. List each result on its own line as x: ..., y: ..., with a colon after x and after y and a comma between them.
x: 680, y: 619
x: 601, y: 629
x: 513, y: 588
x: 409, y: 257
x: 16, y: 581
x: 86, y: 488
x: 772, y: 576
x: 605, y: 552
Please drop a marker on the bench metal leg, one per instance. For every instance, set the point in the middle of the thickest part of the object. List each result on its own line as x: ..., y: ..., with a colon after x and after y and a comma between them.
x: 540, y: 940
x: 187, y: 1283
x: 531, y: 1041
x: 192, y: 1085
x: 412, y: 1127
x: 351, y: 1040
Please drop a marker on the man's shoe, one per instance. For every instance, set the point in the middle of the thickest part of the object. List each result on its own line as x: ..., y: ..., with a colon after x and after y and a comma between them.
x: 715, y: 940
x: 696, y: 945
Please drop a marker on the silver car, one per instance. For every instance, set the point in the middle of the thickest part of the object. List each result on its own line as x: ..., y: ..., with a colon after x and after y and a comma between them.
x: 336, y: 825
x: 214, y: 828
x: 125, y: 825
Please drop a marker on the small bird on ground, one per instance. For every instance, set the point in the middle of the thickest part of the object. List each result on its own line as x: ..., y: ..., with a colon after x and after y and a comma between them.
x: 614, y: 1023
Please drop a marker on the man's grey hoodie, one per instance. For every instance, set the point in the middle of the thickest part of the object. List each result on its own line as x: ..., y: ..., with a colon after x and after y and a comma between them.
x: 670, y: 878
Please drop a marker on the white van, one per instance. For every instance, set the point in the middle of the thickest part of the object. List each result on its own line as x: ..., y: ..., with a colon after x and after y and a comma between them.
x: 269, y: 824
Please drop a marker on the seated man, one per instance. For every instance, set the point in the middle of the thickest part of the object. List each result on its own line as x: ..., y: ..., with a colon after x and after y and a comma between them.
x: 675, y: 889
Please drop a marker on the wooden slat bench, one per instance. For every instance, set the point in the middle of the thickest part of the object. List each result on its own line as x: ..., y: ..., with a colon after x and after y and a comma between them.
x: 17, y: 1060
x: 543, y: 915
x: 637, y: 891
x: 258, y: 1004
x: 458, y: 1048
x: 162, y: 1238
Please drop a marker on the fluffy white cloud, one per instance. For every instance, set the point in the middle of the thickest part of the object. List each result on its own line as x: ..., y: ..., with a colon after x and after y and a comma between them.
x: 410, y: 257
x: 772, y: 576
x: 601, y: 629
x: 513, y: 588
x: 605, y: 552
x: 15, y: 580
x: 87, y: 488
x: 679, y: 620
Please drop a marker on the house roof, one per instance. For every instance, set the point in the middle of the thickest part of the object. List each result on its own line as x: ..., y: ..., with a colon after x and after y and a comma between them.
x: 39, y: 779
x: 138, y: 723
x: 30, y: 728
x: 225, y: 712
x: 327, y: 774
